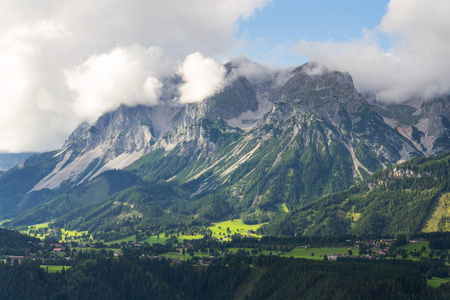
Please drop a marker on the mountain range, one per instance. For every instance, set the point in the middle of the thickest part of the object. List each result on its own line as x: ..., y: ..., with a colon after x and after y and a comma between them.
x: 267, y: 139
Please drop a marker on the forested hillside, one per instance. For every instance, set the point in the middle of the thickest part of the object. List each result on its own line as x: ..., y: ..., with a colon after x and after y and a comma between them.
x: 407, y: 198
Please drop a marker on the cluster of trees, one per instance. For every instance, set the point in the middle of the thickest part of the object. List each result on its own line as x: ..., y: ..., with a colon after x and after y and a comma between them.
x: 14, y: 243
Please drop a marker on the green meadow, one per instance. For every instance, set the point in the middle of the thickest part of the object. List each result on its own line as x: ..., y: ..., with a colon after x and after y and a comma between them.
x: 231, y: 227
x: 436, y: 282
x: 318, y: 252
x: 53, y: 269
x: 125, y: 239
x: 264, y: 252
x: 282, y: 207
x: 415, y: 246
x: 66, y: 235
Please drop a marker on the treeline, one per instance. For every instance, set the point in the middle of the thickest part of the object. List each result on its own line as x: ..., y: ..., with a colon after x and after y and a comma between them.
x: 15, y: 243
x: 437, y: 240
x: 287, y: 278
x: 259, y: 277
x: 126, y: 278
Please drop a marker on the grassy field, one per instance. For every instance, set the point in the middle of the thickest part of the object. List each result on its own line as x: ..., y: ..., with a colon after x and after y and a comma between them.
x: 125, y: 239
x: 53, y: 269
x: 442, y: 210
x: 94, y: 249
x: 74, y: 234
x: 265, y: 252
x: 282, y: 207
x: 418, y: 246
x: 302, y: 252
x: 68, y: 235
x: 155, y: 240
x: 189, y: 237
x: 178, y: 255
x: 236, y: 226
x: 318, y: 252
x: 436, y: 282
x: 36, y: 227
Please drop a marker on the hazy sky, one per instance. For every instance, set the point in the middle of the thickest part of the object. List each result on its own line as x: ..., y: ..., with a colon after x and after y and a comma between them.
x: 64, y: 61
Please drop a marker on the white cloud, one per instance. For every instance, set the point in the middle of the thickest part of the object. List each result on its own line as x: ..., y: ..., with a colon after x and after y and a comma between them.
x: 95, y: 45
x: 417, y: 64
x: 202, y: 76
x: 127, y: 75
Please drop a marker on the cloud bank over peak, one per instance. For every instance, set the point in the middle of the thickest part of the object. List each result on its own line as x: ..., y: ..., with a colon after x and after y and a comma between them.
x: 124, y: 75
x: 202, y: 76
x: 417, y: 64
x: 63, y: 62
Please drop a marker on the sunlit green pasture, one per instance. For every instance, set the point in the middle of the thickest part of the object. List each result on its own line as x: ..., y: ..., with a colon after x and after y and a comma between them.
x: 436, y: 282
x: 155, y: 240
x: 415, y: 246
x: 72, y: 234
x: 318, y: 252
x: 53, y: 269
x: 178, y: 255
x: 125, y: 239
x: 231, y: 227
x: 282, y: 207
x: 66, y: 234
x: 249, y: 250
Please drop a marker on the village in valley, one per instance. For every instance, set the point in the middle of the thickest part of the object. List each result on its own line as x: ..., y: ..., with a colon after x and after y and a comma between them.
x: 60, y: 247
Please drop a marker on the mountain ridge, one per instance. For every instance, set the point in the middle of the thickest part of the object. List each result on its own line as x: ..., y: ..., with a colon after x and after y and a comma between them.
x: 312, y: 134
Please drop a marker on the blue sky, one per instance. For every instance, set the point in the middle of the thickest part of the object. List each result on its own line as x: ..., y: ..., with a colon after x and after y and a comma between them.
x: 288, y: 21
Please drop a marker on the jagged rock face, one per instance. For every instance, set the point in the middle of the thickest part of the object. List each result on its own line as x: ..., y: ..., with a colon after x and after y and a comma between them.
x: 115, y: 140
x: 189, y: 126
x: 426, y: 123
x: 435, y: 125
x: 332, y: 97
x: 119, y: 138
x: 125, y: 130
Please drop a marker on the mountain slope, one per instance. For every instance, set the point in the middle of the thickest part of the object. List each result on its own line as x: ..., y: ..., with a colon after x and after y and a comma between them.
x: 401, y: 199
x: 9, y: 160
x: 321, y: 136
x: 258, y: 143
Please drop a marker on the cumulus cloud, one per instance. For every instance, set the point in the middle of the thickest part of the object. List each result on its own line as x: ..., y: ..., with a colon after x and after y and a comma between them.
x: 417, y: 64
x: 127, y: 75
x: 63, y: 61
x: 202, y: 76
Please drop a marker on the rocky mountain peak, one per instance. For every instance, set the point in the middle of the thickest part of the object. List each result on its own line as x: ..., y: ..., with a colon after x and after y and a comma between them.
x: 306, y: 105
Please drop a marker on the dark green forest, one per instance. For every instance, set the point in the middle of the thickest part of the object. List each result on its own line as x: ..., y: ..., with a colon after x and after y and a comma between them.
x: 261, y: 277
